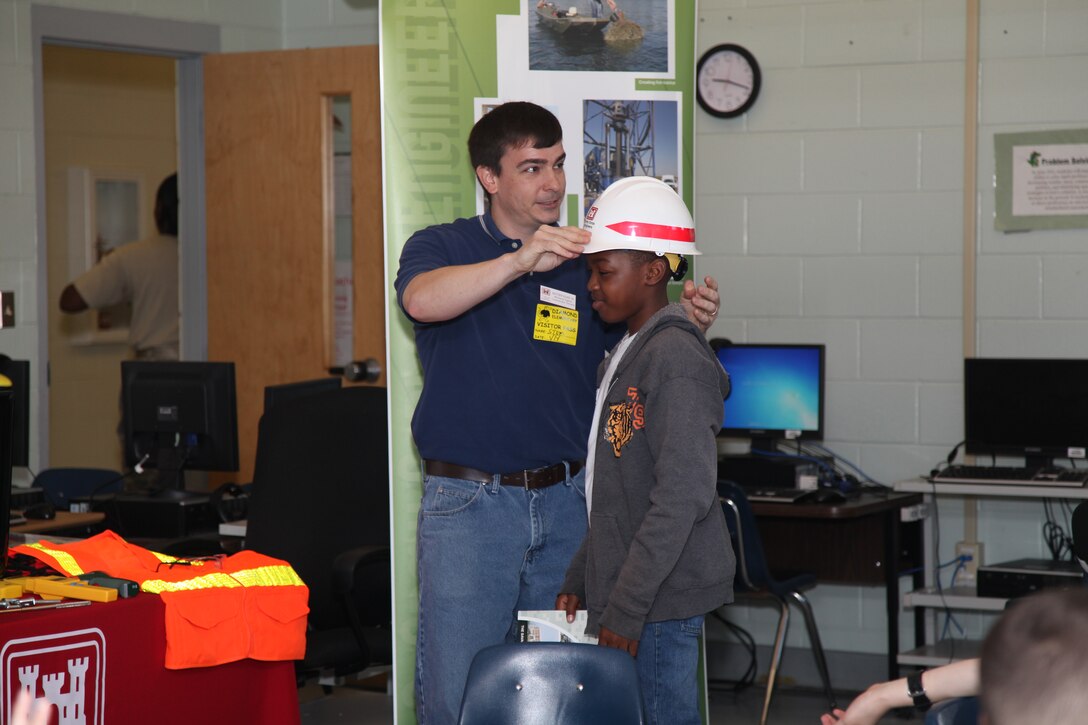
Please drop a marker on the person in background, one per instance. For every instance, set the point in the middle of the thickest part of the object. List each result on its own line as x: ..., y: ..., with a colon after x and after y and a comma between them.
x: 1033, y: 664
x: 509, y: 344
x: 143, y: 273
x: 597, y: 7
x: 1031, y: 669
x: 657, y: 556
x: 959, y: 679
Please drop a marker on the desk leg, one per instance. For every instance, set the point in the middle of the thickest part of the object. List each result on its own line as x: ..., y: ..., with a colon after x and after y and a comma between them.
x: 891, y: 588
x: 919, y: 581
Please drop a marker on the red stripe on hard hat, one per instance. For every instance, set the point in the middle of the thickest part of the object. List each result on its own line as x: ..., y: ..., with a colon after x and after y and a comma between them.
x: 654, y: 231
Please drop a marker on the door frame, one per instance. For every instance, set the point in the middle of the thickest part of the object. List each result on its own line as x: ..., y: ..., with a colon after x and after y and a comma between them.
x: 186, y: 42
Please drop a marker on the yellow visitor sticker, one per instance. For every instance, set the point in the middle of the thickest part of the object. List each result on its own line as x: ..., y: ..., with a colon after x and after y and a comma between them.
x: 556, y: 324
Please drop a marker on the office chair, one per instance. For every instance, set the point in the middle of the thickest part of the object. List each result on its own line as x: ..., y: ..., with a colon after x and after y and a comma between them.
x: 754, y: 576
x: 320, y: 500
x: 957, y: 711
x: 549, y: 683
x: 61, y: 485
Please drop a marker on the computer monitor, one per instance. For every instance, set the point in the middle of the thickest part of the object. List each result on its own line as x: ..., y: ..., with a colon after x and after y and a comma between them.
x: 18, y: 372
x: 7, y: 410
x: 274, y: 394
x: 777, y: 393
x: 1034, y: 408
x: 178, y: 416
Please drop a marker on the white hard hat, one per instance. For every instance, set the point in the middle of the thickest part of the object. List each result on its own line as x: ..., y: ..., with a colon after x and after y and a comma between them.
x: 640, y: 212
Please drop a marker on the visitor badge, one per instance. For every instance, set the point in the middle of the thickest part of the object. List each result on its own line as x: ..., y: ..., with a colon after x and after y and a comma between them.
x: 555, y: 324
x: 558, y: 297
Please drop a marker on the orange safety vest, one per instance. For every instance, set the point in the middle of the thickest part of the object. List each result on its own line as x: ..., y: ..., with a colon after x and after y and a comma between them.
x: 218, y: 609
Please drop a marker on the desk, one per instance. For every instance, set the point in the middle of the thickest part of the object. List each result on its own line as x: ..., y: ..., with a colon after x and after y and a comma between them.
x: 963, y: 596
x: 64, y: 520
x: 861, y: 541
x: 109, y: 659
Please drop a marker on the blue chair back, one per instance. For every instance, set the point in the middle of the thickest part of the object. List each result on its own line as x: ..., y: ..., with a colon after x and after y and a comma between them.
x: 751, y: 562
x: 957, y: 711
x: 61, y: 485
x: 545, y: 683
x: 755, y: 575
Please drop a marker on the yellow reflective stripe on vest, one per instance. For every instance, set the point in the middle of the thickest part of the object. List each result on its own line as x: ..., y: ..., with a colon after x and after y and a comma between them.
x: 269, y: 576
x: 67, y: 562
x: 264, y: 576
x: 70, y: 566
x: 218, y: 580
x: 167, y: 559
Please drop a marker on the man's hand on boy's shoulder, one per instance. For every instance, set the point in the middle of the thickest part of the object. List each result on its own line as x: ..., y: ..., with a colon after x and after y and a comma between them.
x: 702, y: 302
x: 608, y: 638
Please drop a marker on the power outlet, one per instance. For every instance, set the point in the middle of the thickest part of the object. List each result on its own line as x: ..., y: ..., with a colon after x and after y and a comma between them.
x: 969, y: 571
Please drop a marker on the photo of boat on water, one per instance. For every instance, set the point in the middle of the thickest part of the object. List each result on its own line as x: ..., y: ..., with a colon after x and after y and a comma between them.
x: 625, y: 36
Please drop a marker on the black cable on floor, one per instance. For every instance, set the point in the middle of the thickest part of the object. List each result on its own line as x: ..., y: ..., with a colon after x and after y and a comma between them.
x: 748, y: 642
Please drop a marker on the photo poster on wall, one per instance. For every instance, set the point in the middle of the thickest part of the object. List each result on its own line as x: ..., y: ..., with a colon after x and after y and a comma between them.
x: 1041, y: 180
x: 616, y: 86
x: 624, y: 93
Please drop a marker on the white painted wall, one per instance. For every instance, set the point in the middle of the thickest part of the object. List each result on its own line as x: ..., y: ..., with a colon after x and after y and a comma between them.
x: 836, y: 203
x: 328, y: 23
x: 831, y: 212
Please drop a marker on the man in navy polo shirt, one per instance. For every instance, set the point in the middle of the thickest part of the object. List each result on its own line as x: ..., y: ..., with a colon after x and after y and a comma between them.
x: 509, y: 347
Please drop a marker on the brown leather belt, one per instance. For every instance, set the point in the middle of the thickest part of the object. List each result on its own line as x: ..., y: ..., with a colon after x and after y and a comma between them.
x: 529, y: 478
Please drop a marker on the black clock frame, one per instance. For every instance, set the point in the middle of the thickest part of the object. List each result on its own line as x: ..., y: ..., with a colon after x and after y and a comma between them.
x: 757, y: 80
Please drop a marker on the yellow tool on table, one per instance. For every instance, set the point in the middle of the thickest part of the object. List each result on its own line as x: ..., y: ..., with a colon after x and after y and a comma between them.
x: 55, y: 587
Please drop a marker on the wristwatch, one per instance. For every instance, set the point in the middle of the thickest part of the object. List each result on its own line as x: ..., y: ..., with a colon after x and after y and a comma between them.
x: 917, y: 692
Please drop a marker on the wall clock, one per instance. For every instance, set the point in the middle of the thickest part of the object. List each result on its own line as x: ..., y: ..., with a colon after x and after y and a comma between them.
x: 727, y: 80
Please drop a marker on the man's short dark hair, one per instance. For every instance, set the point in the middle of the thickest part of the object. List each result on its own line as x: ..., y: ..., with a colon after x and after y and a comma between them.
x: 166, y: 206
x: 1033, y: 664
x: 508, y: 126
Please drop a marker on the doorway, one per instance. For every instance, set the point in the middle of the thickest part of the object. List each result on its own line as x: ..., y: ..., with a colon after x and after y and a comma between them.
x: 110, y: 137
x: 181, y: 44
x: 328, y: 76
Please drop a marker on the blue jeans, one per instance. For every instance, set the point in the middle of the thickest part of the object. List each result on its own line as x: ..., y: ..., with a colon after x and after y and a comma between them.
x: 485, y: 551
x: 668, y: 666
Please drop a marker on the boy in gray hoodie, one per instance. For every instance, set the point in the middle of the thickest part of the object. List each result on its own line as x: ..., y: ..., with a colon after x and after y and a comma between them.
x: 657, y: 555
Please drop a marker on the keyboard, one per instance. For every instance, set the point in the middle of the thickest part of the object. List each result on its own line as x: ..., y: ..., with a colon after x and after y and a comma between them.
x: 1011, y: 475
x: 776, y: 495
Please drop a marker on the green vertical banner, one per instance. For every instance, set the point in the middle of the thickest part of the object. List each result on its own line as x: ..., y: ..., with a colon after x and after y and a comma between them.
x: 622, y: 86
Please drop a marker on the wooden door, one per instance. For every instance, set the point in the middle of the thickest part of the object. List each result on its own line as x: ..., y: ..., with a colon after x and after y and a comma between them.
x: 270, y: 225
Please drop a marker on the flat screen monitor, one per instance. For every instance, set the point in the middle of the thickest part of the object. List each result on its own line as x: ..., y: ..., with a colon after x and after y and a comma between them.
x: 274, y: 394
x: 18, y: 372
x: 1034, y: 408
x: 178, y: 416
x: 777, y: 392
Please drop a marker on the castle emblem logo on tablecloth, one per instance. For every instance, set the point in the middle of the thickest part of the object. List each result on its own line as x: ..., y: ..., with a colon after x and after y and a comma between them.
x: 68, y: 669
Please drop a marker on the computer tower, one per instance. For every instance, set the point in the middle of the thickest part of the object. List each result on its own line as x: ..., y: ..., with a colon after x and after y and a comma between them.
x: 167, y: 515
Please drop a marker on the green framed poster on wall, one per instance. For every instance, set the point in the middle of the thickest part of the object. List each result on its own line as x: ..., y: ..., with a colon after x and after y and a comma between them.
x: 1041, y: 180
